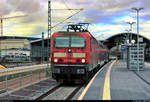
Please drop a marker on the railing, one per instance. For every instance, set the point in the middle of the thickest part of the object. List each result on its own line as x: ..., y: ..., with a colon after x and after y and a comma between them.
x: 14, y: 78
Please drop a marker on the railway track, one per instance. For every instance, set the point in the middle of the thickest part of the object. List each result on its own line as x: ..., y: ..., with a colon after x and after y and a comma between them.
x: 51, y: 89
x: 60, y: 92
x: 63, y: 92
x: 49, y: 92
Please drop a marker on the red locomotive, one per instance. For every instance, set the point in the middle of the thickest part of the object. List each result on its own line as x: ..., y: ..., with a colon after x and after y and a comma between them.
x: 75, y: 54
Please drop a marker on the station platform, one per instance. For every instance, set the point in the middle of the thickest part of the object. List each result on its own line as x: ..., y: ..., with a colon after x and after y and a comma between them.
x: 116, y: 82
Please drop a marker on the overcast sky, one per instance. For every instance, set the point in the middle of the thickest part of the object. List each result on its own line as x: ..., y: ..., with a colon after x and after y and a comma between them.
x: 107, y: 17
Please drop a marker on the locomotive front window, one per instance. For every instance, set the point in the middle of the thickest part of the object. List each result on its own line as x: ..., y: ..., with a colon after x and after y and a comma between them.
x: 77, y: 41
x: 61, y: 41
x: 70, y: 41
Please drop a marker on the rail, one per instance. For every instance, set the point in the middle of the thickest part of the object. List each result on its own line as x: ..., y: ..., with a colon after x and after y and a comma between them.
x: 59, y: 88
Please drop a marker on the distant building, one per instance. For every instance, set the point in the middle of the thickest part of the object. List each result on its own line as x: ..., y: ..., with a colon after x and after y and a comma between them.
x: 15, y: 48
x: 14, y: 43
x: 18, y: 37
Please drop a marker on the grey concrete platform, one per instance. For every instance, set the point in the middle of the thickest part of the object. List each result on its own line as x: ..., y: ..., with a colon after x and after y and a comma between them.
x: 124, y: 84
x: 95, y: 90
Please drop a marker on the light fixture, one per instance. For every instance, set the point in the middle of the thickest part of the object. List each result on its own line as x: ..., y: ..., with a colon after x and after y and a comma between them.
x: 83, y: 60
x: 55, y: 60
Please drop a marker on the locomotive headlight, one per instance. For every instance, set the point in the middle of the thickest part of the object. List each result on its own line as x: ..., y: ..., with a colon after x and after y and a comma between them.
x: 69, y: 50
x: 55, y: 60
x: 83, y: 60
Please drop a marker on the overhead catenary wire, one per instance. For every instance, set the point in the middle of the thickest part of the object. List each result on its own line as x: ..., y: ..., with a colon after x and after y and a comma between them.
x: 66, y: 19
x: 66, y: 5
x: 67, y: 8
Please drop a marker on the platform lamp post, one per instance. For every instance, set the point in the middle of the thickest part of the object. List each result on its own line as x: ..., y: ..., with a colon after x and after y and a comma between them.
x: 131, y: 23
x: 137, y: 10
x: 49, y: 31
x: 127, y: 36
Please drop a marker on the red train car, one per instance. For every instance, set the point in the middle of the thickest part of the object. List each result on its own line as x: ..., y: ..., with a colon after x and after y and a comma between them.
x: 74, y: 55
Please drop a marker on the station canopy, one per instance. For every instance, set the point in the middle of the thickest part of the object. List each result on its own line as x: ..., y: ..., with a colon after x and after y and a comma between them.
x: 121, y: 38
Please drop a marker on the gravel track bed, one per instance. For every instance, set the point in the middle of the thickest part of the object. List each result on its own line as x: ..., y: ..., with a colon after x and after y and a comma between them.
x: 60, y: 94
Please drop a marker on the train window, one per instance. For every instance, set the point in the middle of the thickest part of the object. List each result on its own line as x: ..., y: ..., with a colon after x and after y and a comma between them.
x: 62, y: 41
x: 77, y: 41
x: 70, y: 41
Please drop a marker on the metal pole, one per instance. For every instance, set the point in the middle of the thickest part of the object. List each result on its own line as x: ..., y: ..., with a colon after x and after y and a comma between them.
x: 39, y: 75
x: 131, y: 23
x: 20, y: 77
x: 42, y: 54
x: 31, y: 76
x: 137, y: 10
x: 131, y: 32
x: 138, y: 37
x: 49, y: 30
x: 1, y: 26
x: 49, y: 34
x: 6, y: 79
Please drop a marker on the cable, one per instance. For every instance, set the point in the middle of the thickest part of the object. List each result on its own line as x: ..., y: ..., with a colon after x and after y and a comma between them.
x: 66, y: 19
x: 66, y: 5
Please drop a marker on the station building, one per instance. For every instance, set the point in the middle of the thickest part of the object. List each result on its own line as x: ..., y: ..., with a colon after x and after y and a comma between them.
x: 114, y: 44
x: 13, y: 48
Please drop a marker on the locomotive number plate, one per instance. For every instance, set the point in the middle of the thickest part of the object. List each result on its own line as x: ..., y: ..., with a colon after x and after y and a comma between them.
x: 68, y: 60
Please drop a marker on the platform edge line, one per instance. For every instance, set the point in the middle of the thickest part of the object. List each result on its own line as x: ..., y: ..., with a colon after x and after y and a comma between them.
x: 89, y: 84
x: 106, y: 90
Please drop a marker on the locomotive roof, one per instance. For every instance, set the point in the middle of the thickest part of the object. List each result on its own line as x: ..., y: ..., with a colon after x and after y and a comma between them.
x: 75, y: 33
x: 71, y: 32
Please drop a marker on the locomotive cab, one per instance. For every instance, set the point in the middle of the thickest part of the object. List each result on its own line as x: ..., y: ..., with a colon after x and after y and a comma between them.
x: 74, y: 54
x: 69, y: 56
